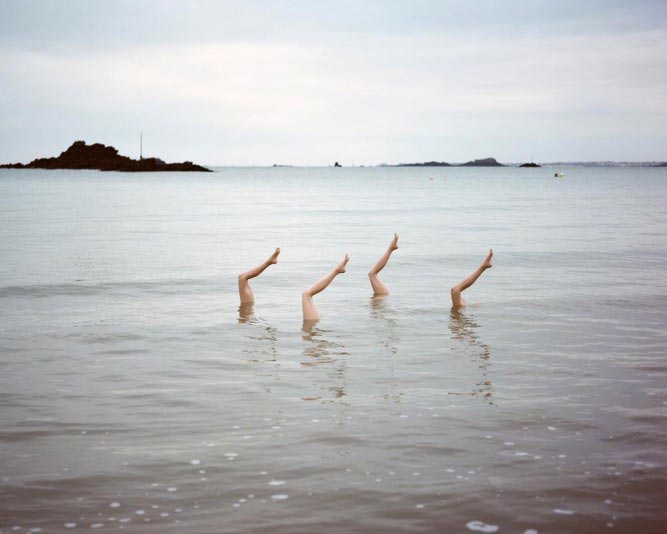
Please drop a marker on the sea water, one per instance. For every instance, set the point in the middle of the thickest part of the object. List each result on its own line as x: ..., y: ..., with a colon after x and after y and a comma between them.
x: 135, y: 396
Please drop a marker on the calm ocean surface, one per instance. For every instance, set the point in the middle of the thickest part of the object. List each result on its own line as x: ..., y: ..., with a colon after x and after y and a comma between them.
x: 133, y: 396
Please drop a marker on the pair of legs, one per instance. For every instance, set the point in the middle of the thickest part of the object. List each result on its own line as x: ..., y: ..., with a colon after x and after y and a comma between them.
x: 310, y: 313
x: 379, y: 289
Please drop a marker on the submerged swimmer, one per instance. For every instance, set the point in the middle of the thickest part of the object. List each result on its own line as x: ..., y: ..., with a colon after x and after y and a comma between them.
x: 379, y: 288
x: 310, y: 313
x: 245, y: 293
x: 457, y: 300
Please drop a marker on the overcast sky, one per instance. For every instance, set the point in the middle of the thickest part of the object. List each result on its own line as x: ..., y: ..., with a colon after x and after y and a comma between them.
x: 310, y: 82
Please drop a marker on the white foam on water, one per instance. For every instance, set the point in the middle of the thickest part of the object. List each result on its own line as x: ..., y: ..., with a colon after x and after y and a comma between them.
x: 509, y: 443
x: 231, y: 455
x: 479, y: 526
x: 97, y: 525
x: 236, y: 505
x: 420, y: 506
x: 530, y: 531
x: 279, y: 497
x: 172, y: 489
x: 35, y: 529
x: 164, y: 514
x: 202, y: 471
x: 276, y: 483
x: 316, y: 420
x: 551, y: 428
x: 69, y: 525
x: 114, y: 504
x: 140, y: 512
x: 562, y: 511
x: 124, y: 520
x: 195, y: 462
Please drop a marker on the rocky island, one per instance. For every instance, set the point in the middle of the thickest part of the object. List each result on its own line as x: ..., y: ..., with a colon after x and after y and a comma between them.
x: 104, y: 158
x: 426, y: 164
x: 531, y: 165
x: 485, y: 162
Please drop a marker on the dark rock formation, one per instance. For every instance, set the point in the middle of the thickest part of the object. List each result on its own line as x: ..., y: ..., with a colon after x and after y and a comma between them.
x: 486, y: 162
x: 104, y: 158
x: 531, y: 164
x: 425, y: 164
x: 337, y: 164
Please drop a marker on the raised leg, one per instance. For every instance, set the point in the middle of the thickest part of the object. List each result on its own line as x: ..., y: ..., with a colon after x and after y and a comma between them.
x: 245, y: 293
x: 457, y: 300
x: 378, y: 287
x: 310, y: 312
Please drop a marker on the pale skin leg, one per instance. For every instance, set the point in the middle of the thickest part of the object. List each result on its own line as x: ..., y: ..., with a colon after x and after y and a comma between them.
x: 379, y: 288
x: 457, y: 300
x: 310, y: 312
x: 245, y: 293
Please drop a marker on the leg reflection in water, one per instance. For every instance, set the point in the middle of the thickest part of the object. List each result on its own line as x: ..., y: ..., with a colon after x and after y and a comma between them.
x: 464, y: 329
x: 262, y: 337
x: 321, y: 352
x: 383, y: 312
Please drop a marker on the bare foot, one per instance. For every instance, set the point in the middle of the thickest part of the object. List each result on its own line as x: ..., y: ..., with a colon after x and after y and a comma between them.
x: 274, y: 257
x: 394, y: 243
x: 486, y: 264
x: 341, y: 266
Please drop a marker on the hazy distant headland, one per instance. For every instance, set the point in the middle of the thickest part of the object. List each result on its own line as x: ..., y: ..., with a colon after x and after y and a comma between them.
x: 492, y: 162
x: 104, y: 158
x: 485, y: 162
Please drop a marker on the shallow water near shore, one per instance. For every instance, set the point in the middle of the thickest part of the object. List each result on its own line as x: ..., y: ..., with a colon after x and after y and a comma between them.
x: 134, y: 395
